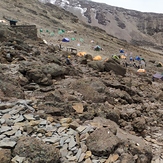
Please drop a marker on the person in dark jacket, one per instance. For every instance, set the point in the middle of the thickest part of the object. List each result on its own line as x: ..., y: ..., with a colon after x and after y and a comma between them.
x: 68, y: 62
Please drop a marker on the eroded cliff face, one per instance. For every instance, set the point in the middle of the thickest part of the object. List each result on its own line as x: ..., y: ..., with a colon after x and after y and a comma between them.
x: 138, y: 28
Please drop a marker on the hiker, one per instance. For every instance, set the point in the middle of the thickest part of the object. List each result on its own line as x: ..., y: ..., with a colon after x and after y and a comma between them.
x: 68, y: 62
x: 142, y: 63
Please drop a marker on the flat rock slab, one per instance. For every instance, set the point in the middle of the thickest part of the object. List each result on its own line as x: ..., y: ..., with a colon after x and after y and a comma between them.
x: 7, y: 144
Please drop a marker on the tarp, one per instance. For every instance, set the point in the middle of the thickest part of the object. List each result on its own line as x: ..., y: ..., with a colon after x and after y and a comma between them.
x: 141, y: 70
x: 158, y: 76
x: 137, y: 58
x: 97, y: 58
x: 65, y: 40
x: 81, y: 54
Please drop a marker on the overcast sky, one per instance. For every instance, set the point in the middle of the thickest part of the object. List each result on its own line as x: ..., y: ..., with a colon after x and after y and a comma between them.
x: 139, y: 5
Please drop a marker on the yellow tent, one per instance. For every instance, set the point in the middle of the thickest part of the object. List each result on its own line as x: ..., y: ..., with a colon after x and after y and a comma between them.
x: 97, y: 58
x: 123, y: 57
x: 81, y: 54
x: 141, y: 70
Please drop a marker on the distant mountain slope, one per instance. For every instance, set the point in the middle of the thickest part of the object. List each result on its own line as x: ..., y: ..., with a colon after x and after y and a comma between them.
x: 138, y: 28
x: 51, y: 18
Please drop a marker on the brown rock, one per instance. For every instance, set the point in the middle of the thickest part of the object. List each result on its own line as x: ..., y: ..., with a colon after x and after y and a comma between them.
x: 5, y: 155
x: 36, y: 151
x: 102, y: 142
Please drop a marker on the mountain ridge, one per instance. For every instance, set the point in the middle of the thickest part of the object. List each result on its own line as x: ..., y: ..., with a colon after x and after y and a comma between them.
x: 138, y: 28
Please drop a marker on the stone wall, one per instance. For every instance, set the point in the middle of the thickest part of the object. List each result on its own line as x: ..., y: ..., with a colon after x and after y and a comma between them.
x: 28, y: 31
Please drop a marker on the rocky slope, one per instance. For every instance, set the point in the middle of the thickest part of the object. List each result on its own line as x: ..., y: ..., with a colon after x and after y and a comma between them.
x: 90, y: 111
x: 138, y: 28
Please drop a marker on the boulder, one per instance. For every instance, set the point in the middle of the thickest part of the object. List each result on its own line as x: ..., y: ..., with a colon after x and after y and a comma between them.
x: 102, y: 142
x: 53, y: 69
x: 114, y: 66
x: 139, y: 124
x: 96, y: 65
x: 85, y: 86
x: 36, y: 151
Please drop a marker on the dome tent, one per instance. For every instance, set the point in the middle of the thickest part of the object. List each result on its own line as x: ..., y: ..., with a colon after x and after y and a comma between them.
x: 97, y: 48
x: 65, y: 40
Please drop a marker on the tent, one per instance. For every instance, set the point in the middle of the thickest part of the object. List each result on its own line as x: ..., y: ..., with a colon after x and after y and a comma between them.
x: 123, y: 57
x: 158, y: 76
x: 61, y: 31
x: 97, y: 48
x: 137, y: 58
x: 73, y: 39
x: 141, y: 70
x: 81, y: 54
x: 97, y: 58
x: 159, y: 64
x: 65, y: 40
x: 121, y: 51
x: 81, y: 40
x: 115, y: 57
x: 52, y: 34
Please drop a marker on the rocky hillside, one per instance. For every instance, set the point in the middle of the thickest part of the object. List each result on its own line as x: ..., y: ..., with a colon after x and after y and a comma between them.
x: 138, y: 28
x: 88, y: 112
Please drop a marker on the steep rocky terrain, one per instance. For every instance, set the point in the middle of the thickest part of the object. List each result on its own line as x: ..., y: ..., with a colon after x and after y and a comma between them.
x: 138, y: 28
x: 88, y: 112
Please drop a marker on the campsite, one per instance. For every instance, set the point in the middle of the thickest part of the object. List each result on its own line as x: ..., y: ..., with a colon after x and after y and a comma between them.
x: 72, y: 93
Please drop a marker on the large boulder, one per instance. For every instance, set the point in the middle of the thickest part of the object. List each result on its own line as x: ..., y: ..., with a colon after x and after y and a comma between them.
x: 90, y: 88
x: 36, y: 151
x: 102, y: 142
x: 53, y: 69
x: 11, y: 89
x: 114, y: 66
x: 96, y: 65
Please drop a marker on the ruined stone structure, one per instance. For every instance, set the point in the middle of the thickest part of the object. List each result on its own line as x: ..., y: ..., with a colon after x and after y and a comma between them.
x: 28, y: 31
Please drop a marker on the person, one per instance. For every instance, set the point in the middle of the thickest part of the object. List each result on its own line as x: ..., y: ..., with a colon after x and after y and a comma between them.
x: 68, y: 62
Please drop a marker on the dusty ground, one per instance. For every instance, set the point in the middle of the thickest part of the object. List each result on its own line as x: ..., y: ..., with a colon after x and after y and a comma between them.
x: 39, y: 73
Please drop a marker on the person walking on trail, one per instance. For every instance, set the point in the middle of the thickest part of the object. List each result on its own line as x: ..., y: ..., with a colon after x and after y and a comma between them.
x: 68, y: 62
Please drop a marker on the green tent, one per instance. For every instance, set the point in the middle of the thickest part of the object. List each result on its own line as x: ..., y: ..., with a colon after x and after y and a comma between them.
x: 73, y: 39
x: 115, y: 57
x: 52, y: 34
x: 81, y: 40
x: 97, y: 48
x: 41, y: 30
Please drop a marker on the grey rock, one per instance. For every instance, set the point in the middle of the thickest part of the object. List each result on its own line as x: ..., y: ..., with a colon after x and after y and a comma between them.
x: 2, y: 121
x: 4, y: 129
x: 7, y: 144
x: 81, y: 128
x: 64, y: 150
x: 19, y: 119
x: 18, y: 159
x: 81, y: 157
x: 29, y: 117
x: 72, y: 142
x: 52, y: 139
x: 78, y: 154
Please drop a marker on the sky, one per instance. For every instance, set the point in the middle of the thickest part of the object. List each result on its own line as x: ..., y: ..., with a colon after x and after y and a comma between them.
x: 139, y: 5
